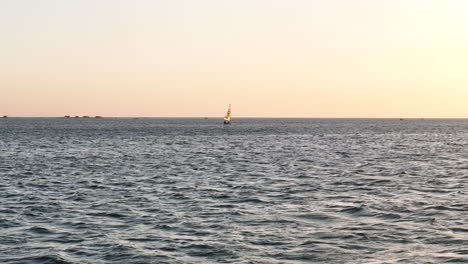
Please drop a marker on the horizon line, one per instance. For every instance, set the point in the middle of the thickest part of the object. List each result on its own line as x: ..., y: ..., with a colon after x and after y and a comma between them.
x: 240, y: 117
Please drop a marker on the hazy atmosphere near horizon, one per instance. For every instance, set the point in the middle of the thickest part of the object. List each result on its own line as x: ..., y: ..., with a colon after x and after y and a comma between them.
x: 269, y: 58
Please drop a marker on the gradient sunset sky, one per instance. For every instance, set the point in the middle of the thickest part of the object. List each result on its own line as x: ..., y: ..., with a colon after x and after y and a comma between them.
x: 268, y: 58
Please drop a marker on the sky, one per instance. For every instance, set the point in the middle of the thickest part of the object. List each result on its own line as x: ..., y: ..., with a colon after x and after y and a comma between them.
x: 268, y: 58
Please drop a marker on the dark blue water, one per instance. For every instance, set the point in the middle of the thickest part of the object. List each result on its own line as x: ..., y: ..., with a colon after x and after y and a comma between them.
x: 258, y: 191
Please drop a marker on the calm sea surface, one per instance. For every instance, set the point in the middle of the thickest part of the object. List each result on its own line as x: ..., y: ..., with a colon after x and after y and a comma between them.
x: 258, y: 191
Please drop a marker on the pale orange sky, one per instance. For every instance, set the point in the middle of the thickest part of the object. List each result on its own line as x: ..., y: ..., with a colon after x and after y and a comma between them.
x: 268, y: 58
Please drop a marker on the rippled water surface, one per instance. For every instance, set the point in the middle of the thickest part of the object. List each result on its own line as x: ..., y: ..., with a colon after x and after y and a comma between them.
x: 258, y: 191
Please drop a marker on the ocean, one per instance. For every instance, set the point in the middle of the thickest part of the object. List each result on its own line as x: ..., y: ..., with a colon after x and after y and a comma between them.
x: 190, y: 190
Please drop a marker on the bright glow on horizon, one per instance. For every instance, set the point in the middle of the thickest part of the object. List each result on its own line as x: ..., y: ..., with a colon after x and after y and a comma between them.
x: 268, y: 58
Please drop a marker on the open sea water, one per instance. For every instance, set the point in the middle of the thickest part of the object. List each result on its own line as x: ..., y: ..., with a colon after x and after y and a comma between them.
x: 259, y: 191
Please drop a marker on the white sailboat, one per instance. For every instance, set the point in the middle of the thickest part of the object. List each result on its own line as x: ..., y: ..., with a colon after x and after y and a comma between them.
x: 227, y: 118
